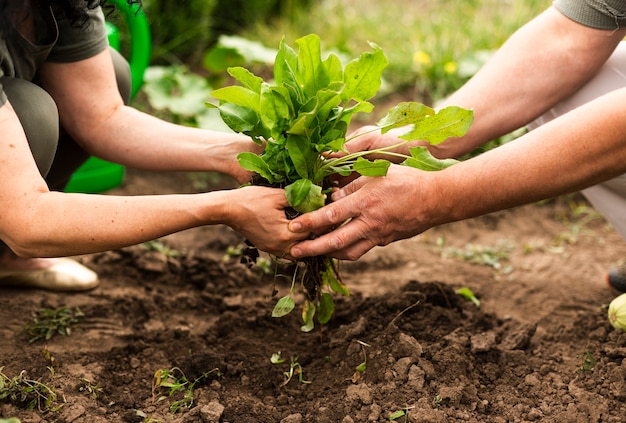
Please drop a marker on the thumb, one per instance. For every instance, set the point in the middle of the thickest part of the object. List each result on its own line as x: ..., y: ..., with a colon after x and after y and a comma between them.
x: 349, y: 188
x: 319, y: 220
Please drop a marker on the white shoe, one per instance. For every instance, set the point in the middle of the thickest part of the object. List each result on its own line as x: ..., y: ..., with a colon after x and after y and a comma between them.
x: 64, y: 275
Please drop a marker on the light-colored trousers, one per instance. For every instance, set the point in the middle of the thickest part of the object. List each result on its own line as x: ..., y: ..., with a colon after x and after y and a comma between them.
x: 609, y: 198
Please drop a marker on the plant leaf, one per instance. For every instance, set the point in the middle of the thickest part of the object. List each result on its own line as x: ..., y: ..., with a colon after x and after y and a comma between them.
x: 238, y: 95
x: 422, y: 159
x: 283, y: 307
x: 238, y: 118
x: 275, y: 110
x: 449, y: 122
x: 404, y: 113
x: 308, y: 311
x: 326, y: 308
x: 254, y: 163
x: 311, y: 72
x: 247, y: 78
x: 304, y: 196
x: 371, y: 168
x: 362, y: 76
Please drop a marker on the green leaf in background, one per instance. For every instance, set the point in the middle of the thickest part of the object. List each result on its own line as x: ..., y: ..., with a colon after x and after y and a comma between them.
x: 422, y: 159
x: 304, y: 196
x: 448, y: 122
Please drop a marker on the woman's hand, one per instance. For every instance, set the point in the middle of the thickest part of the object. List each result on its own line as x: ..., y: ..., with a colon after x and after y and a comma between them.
x: 258, y: 213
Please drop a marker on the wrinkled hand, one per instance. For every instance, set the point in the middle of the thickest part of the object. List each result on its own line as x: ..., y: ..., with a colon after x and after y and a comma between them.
x: 367, y: 212
x: 258, y: 213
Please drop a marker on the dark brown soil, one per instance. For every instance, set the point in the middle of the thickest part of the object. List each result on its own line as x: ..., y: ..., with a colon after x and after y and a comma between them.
x: 539, y: 347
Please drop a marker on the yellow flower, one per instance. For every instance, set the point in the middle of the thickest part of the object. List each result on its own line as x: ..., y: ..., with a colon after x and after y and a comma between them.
x: 450, y: 67
x: 421, y: 58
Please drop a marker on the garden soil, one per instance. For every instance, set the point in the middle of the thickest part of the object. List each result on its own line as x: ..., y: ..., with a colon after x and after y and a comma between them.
x: 538, y: 348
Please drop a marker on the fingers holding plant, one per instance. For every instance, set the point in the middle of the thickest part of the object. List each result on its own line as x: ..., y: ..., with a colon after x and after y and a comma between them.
x: 258, y: 213
x: 371, y: 214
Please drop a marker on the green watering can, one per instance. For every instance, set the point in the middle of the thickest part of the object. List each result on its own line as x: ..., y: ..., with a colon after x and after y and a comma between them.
x: 97, y: 175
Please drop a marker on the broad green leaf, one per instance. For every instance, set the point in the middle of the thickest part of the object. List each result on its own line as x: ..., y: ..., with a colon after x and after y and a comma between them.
x: 311, y: 72
x: 334, y: 69
x: 308, y: 311
x: 238, y: 118
x: 283, y: 307
x: 325, y: 308
x: 403, y: 114
x: 371, y: 168
x: 254, y: 163
x: 302, y: 156
x: 422, y: 159
x: 467, y: 293
x: 323, y: 103
x: 285, y: 65
x: 304, y: 196
x: 338, y: 287
x: 362, y: 76
x: 449, y: 122
x: 275, y: 110
x: 238, y: 95
x: 247, y: 78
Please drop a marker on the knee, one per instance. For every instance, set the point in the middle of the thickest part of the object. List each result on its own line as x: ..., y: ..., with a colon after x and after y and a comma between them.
x: 39, y: 117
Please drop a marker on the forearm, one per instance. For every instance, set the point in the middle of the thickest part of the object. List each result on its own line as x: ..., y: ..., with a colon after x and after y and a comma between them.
x: 141, y: 141
x: 59, y: 224
x: 580, y: 149
x: 541, y: 64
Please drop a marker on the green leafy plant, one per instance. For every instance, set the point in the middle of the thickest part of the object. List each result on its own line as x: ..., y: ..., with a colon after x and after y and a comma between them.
x: 588, y: 363
x: 468, y: 294
x: 47, y: 322
x: 34, y: 394
x: 295, y: 369
x: 90, y: 388
x: 302, y: 119
x: 177, y: 387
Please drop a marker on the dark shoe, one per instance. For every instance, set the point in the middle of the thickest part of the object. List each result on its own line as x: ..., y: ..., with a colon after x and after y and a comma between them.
x: 64, y: 275
x: 616, y: 279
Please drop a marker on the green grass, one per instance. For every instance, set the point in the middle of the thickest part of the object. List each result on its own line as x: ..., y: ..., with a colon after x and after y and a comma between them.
x: 432, y: 46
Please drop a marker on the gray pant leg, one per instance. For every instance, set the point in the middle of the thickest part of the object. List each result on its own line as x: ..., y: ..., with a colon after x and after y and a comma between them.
x: 55, y: 152
x: 609, y: 198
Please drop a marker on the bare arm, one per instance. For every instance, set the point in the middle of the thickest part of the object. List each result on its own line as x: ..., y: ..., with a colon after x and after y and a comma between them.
x: 92, y: 111
x: 577, y: 150
x: 544, y: 62
x: 35, y: 222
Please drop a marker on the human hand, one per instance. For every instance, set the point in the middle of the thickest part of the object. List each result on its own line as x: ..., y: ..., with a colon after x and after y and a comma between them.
x: 367, y: 212
x: 258, y: 213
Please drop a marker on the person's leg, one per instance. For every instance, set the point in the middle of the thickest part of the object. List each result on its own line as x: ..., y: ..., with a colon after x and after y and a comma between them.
x: 57, y: 157
x: 608, y: 198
